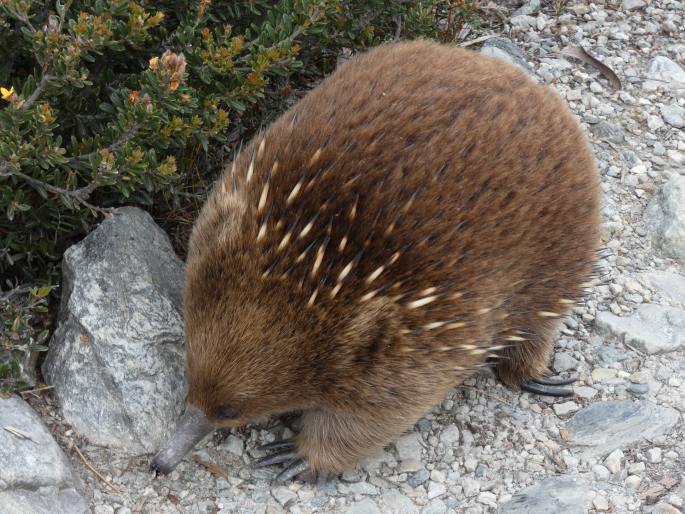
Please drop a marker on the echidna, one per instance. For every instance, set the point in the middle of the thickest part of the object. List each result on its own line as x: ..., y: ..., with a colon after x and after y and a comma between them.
x: 423, y: 210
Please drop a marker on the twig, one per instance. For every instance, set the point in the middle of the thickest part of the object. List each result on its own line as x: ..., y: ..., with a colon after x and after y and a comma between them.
x: 92, y: 468
x: 18, y: 433
x: 44, y: 79
x: 477, y: 40
x: 36, y: 390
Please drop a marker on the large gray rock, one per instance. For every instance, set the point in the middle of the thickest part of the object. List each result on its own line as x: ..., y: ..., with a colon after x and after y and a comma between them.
x: 669, y: 284
x: 651, y: 329
x: 603, y: 427
x: 558, y: 494
x: 116, y: 358
x: 665, y: 218
x: 35, y: 476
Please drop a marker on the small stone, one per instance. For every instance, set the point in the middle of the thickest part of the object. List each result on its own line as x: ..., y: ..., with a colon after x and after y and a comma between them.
x: 633, y: 482
x: 665, y: 508
x: 418, y: 478
x: 561, y: 409
x: 636, y: 468
x: 638, y: 389
x: 471, y: 487
x: 601, y: 472
x: 487, y: 498
x: 630, y: 5
x: 654, y: 455
x: 613, y: 462
x: 437, y: 476
x: 435, y: 489
x: 663, y: 69
x: 610, y: 132
x: 395, y: 501
x: 600, y: 502
x: 409, y: 446
x: 585, y: 392
x: 674, y: 115
x: 409, y: 466
x: 470, y: 464
x: 234, y: 445
x: 505, y: 49
x: 603, y: 374
x: 366, y: 506
x: 564, y: 362
x: 450, y: 436
x: 654, y: 122
x: 558, y: 494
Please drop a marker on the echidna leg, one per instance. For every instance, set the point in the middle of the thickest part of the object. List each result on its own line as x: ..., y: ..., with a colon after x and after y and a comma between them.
x: 525, y: 364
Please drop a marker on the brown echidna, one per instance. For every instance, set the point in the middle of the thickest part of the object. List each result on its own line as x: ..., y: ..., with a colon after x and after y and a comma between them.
x: 422, y: 210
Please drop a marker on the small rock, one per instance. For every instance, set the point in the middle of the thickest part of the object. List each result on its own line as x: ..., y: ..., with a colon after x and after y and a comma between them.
x: 636, y: 468
x: 564, y: 362
x: 665, y: 217
x: 436, y: 489
x: 366, y: 506
x: 669, y: 284
x: 450, y: 436
x: 410, y: 465
x: 602, y: 427
x: 395, y: 501
x: 471, y: 487
x: 665, y: 508
x: 523, y: 21
x: 603, y: 374
x: 585, y: 392
x: 437, y: 506
x: 562, y: 409
x: 613, y: 462
x: 638, y: 389
x: 558, y: 494
x: 234, y: 445
x: 654, y: 122
x: 600, y: 502
x: 610, y: 132
x: 418, y: 478
x: 654, y: 455
x: 409, y: 446
x: 601, y: 472
x: 673, y: 114
x: 632, y: 482
x: 630, y: 5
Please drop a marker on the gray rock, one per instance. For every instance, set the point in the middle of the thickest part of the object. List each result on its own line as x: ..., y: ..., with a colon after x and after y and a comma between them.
x: 284, y: 496
x: 523, y: 21
x: 665, y: 70
x: 559, y: 494
x: 608, y: 355
x: 366, y: 506
x: 116, y: 358
x: 638, y: 389
x: 505, y: 49
x: 450, y: 436
x: 603, y: 427
x: 673, y: 114
x: 630, y: 5
x: 609, y: 132
x: 530, y: 7
x: 564, y: 362
x: 396, y: 502
x: 669, y: 284
x: 418, y: 478
x: 651, y: 329
x: 35, y: 476
x: 665, y: 218
x: 409, y: 446
x: 46, y: 500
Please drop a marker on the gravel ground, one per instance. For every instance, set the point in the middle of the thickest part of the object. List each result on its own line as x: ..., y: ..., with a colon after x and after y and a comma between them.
x: 487, y: 448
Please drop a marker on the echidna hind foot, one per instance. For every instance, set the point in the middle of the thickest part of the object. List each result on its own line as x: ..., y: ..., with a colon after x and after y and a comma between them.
x: 526, y: 366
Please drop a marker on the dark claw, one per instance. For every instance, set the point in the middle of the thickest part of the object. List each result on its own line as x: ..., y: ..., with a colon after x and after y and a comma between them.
x: 285, y: 444
x: 555, y: 381
x: 537, y: 388
x: 292, y: 470
x: 276, y: 458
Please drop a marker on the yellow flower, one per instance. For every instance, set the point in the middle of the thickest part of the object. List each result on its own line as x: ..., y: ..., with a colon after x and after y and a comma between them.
x: 153, y: 63
x: 6, y: 93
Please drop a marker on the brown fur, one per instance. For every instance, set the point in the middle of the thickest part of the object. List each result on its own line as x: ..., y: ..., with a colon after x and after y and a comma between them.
x: 471, y: 186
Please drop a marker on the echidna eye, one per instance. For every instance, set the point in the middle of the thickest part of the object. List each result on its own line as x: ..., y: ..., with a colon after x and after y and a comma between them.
x: 228, y: 412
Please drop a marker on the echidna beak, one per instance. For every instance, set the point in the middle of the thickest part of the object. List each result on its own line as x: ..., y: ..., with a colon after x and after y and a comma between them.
x: 190, y: 429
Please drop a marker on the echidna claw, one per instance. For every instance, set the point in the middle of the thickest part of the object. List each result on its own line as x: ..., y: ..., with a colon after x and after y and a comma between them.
x: 284, y: 444
x: 547, y: 387
x: 295, y: 468
x: 556, y: 381
x: 276, y: 458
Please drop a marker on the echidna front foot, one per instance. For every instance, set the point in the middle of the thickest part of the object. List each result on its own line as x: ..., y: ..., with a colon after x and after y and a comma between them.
x: 285, y: 451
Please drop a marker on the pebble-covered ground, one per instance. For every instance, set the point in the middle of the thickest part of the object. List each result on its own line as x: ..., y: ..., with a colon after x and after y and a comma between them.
x: 487, y: 448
